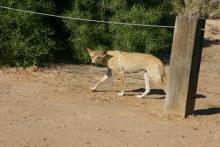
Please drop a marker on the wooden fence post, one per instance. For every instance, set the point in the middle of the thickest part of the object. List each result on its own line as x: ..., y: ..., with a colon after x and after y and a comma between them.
x: 184, y: 65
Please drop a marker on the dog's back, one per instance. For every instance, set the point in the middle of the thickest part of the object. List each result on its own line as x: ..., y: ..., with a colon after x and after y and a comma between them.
x: 133, y: 62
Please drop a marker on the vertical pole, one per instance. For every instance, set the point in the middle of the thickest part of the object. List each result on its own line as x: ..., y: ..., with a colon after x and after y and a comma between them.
x: 184, y: 65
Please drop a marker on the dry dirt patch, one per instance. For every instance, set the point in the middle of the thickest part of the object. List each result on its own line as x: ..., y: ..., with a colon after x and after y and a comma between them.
x: 54, y: 107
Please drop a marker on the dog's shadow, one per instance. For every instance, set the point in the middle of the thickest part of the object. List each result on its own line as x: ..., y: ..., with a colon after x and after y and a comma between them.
x: 140, y: 91
x: 154, y: 93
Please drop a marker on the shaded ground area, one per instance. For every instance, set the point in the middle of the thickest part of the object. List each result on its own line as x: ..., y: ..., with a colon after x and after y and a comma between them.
x: 53, y: 107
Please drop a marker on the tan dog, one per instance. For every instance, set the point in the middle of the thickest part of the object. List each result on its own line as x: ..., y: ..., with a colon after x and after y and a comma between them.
x: 122, y: 62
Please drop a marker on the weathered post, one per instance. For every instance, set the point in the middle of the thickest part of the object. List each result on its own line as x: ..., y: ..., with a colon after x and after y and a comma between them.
x: 184, y: 65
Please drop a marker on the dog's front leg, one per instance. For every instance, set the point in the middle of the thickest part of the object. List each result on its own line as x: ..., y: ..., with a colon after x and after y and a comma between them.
x: 105, y: 77
x: 121, y: 77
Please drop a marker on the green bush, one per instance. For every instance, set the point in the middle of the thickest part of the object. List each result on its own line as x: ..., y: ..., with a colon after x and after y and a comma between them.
x: 202, y: 8
x: 87, y: 34
x: 141, y: 39
x: 25, y: 39
x: 125, y: 38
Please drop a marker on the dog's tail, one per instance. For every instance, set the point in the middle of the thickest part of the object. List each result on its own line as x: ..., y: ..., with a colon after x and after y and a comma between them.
x: 164, y: 77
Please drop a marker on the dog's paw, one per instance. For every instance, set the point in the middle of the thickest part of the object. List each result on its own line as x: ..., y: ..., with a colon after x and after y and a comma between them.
x: 121, y: 93
x: 93, y: 88
x: 140, y: 96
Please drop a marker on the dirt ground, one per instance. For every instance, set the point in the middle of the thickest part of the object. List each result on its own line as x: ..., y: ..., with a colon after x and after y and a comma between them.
x: 53, y: 107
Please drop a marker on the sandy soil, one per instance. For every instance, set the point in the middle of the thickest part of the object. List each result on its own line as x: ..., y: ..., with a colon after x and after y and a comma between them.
x: 53, y: 107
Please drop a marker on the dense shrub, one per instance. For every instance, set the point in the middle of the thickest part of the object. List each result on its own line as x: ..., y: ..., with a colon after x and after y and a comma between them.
x: 143, y: 39
x: 88, y: 34
x: 203, y: 8
x: 25, y: 39
x: 126, y: 38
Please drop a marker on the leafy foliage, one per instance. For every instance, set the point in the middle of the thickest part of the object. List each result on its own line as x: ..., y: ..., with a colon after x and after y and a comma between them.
x: 126, y: 38
x: 85, y: 34
x: 203, y: 8
x: 139, y: 39
x: 26, y: 39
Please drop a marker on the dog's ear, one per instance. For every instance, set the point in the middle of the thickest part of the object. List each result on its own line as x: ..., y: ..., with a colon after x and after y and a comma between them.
x: 104, y: 52
x: 89, y: 50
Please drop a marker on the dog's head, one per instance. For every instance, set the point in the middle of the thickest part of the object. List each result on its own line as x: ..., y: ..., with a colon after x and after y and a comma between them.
x: 97, y: 56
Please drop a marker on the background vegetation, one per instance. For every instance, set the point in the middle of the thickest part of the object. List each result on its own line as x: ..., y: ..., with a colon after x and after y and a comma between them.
x: 27, y: 39
x: 203, y: 8
x: 125, y: 38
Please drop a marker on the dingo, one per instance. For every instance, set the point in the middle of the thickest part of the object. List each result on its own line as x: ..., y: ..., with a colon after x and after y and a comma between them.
x: 122, y: 62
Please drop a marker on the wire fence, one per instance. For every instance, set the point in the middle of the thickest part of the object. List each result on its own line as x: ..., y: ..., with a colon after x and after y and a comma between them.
x: 97, y: 21
x: 86, y: 20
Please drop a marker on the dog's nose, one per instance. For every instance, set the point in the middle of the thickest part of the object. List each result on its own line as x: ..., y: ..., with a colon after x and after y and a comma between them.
x: 93, y: 63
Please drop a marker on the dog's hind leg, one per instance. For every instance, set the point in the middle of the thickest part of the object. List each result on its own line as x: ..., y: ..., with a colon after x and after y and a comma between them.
x: 121, y: 76
x: 105, y: 77
x: 147, y: 84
